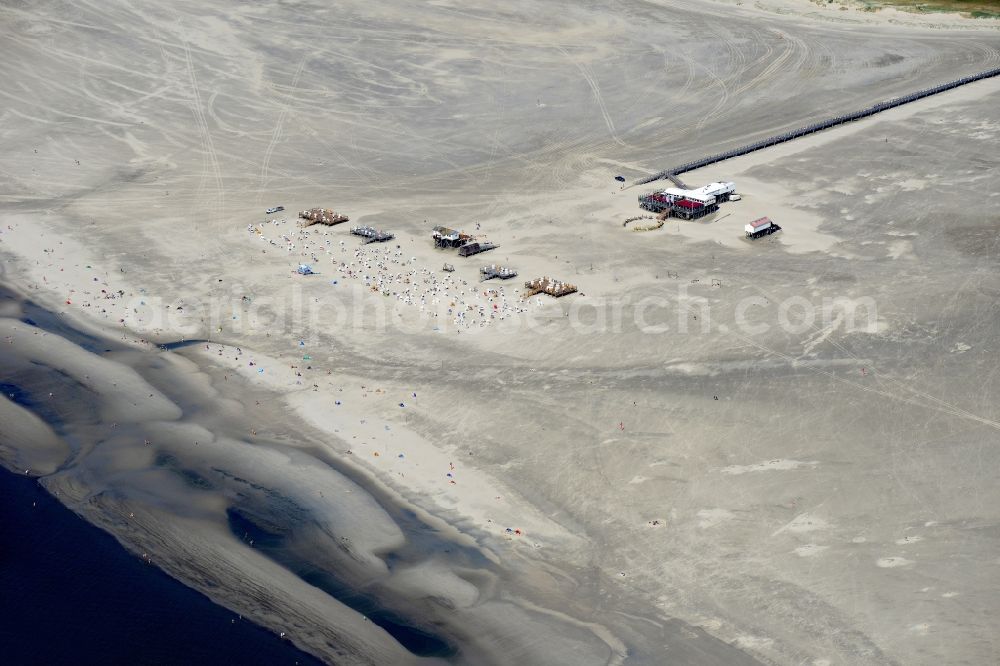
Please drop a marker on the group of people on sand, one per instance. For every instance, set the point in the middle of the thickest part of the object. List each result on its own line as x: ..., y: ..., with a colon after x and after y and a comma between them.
x: 387, y: 271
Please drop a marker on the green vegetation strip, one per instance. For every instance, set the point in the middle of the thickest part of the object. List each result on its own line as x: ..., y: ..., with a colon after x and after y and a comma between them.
x: 974, y: 8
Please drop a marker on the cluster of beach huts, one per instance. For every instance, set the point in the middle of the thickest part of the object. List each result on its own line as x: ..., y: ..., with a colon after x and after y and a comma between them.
x: 444, y: 237
x: 468, y: 245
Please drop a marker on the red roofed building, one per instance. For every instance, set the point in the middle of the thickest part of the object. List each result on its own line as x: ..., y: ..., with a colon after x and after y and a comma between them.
x: 687, y: 203
x: 689, y: 209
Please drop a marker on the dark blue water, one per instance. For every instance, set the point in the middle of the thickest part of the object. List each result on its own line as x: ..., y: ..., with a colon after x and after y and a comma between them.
x: 416, y: 640
x: 70, y: 594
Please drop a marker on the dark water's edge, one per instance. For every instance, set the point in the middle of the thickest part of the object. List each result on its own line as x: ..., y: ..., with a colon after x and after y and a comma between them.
x: 419, y: 642
x: 71, y: 594
x: 42, y: 598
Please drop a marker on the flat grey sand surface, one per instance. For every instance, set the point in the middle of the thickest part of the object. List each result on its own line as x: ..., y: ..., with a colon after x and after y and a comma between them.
x: 716, y: 451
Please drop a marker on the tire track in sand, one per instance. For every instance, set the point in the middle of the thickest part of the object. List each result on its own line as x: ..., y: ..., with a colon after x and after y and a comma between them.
x: 771, y: 70
x: 199, y: 115
x: 277, y: 131
x: 598, y: 97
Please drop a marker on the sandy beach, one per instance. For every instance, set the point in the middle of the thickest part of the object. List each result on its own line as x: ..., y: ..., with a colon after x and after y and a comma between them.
x: 717, y: 451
